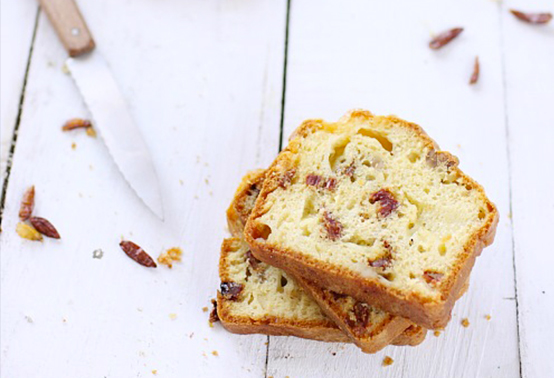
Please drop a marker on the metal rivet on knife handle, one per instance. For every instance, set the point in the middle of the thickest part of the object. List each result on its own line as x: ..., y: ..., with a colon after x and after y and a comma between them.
x: 70, y: 25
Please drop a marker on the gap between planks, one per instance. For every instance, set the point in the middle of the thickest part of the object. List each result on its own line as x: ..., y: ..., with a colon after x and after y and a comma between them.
x: 18, y: 118
x: 501, y: 9
x: 281, y: 126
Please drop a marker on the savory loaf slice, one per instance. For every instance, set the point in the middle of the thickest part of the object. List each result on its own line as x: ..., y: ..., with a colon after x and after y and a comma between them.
x: 371, y: 329
x: 257, y: 298
x: 370, y: 207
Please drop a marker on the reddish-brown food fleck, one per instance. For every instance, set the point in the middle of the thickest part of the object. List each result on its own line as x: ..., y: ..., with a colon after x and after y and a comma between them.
x: 76, y: 123
x: 387, y: 361
x: 332, y: 226
x: 320, y: 182
x: 213, y: 314
x: 349, y: 170
x: 475, y: 74
x: 337, y: 296
x: 27, y: 204
x: 254, y: 262
x: 230, y: 290
x: 432, y: 277
x: 532, y: 18
x: 361, y: 311
x: 444, y: 38
x: 383, y: 262
x: 387, y: 202
x: 44, y: 227
x: 137, y: 253
x: 286, y: 178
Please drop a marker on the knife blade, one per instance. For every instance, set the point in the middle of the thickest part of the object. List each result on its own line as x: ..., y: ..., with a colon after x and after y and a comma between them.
x: 107, y: 105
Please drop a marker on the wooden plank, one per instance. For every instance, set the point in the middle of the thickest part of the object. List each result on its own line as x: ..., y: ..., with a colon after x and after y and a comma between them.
x: 203, y: 81
x: 529, y: 56
x: 374, y: 55
x: 17, y: 22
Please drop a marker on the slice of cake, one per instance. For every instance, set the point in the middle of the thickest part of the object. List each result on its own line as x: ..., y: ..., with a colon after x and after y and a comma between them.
x: 368, y: 206
x: 370, y: 328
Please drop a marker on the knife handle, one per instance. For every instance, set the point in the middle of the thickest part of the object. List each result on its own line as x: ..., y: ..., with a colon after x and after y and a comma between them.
x: 70, y: 25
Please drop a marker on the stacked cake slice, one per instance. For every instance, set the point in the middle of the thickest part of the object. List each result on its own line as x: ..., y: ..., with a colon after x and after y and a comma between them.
x: 360, y: 231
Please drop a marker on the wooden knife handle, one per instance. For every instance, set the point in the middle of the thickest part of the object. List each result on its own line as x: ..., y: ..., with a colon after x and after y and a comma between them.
x: 70, y: 25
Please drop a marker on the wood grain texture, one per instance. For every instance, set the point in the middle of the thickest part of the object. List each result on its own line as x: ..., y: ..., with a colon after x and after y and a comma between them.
x: 17, y: 22
x: 69, y: 25
x: 203, y: 80
x: 529, y: 75
x: 375, y: 55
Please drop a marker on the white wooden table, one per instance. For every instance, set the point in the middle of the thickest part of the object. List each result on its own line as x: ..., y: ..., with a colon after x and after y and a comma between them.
x: 216, y: 86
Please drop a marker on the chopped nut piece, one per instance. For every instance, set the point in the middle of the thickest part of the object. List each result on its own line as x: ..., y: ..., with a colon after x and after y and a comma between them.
x: 286, y: 179
x: 76, y: 123
x: 320, y: 182
x: 532, y: 18
x: 432, y: 277
x: 137, y: 253
x: 387, y: 361
x: 465, y: 322
x: 170, y: 256
x: 27, y: 232
x: 27, y: 204
x: 332, y: 226
x: 387, y: 202
x: 475, y: 75
x: 444, y: 38
x: 44, y: 227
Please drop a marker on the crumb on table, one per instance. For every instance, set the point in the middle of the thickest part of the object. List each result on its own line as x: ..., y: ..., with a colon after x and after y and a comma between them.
x: 488, y: 317
x: 387, y: 361
x: 154, y: 371
x: 170, y: 256
x: 215, y: 353
x: 437, y: 333
x: 204, y: 309
x: 172, y: 316
x: 465, y: 322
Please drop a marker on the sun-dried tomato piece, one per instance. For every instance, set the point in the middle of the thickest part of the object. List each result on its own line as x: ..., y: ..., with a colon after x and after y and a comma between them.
x: 332, y: 226
x: 532, y: 18
x: 432, y: 277
x: 27, y: 204
x: 214, y: 317
x: 387, y: 202
x: 475, y: 74
x: 444, y: 38
x: 76, y: 123
x: 230, y: 290
x: 137, y: 253
x: 44, y: 227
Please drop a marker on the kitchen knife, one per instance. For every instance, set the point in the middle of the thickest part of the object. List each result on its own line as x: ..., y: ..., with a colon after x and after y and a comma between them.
x: 109, y: 111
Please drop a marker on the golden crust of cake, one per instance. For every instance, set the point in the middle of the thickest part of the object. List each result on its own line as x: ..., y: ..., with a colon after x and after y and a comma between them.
x: 370, y: 207
x: 368, y: 327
